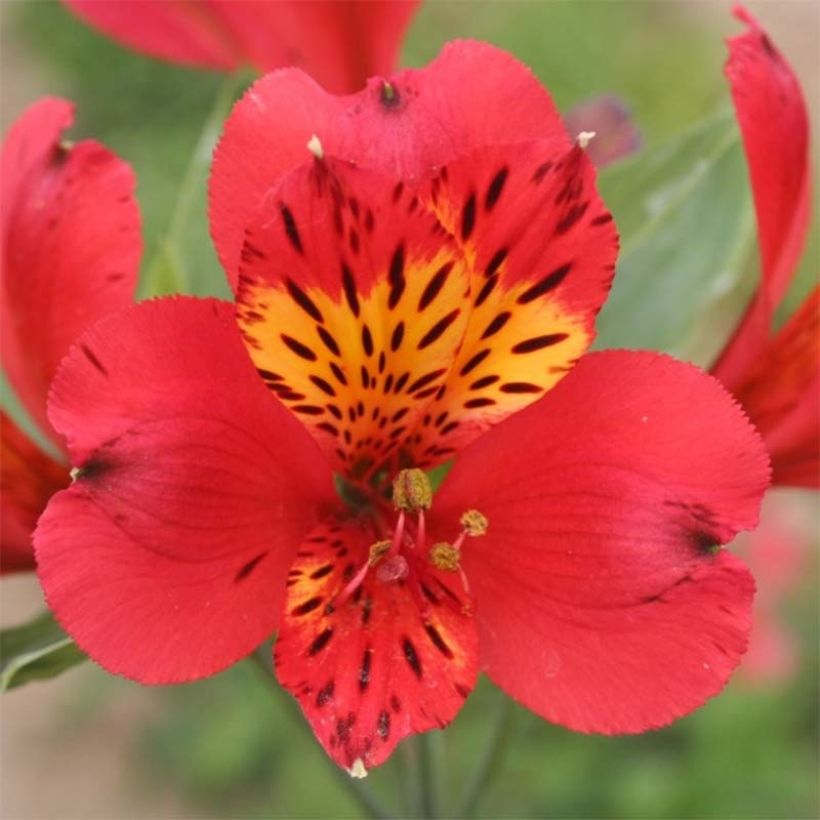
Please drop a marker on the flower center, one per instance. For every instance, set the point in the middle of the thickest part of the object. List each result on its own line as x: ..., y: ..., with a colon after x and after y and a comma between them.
x: 406, y: 555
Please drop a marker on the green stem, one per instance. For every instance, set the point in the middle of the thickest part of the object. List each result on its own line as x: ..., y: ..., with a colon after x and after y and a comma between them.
x: 488, y: 766
x: 366, y: 801
x: 409, y: 777
x: 166, y: 272
x: 428, y: 785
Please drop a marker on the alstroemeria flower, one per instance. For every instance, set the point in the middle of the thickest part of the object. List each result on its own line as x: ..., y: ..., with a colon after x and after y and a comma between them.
x: 418, y: 289
x: 71, y: 249
x: 339, y: 42
x: 776, y: 376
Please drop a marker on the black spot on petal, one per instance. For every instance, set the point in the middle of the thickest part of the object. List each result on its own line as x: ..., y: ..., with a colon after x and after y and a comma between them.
x: 411, y: 656
x: 468, y: 218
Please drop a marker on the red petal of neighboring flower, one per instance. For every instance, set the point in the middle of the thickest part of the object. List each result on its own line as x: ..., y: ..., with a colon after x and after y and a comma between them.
x: 600, y: 601
x: 609, y: 118
x: 777, y: 554
x: 541, y: 249
x: 71, y: 246
x: 392, y: 660
x: 781, y: 394
x: 774, y: 124
x: 433, y: 115
x: 166, y: 559
x: 339, y: 42
x: 28, y: 478
x: 333, y: 275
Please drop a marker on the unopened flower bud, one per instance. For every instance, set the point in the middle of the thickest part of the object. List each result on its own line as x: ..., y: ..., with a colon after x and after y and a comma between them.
x: 444, y: 556
x: 412, y: 491
x: 474, y: 523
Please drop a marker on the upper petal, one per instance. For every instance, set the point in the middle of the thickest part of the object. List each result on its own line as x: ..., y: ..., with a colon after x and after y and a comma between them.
x: 340, y: 43
x: 601, y: 602
x: 541, y: 250
x: 332, y: 277
x: 431, y: 116
x: 71, y: 246
x: 166, y: 558
x: 28, y: 479
x: 774, y: 124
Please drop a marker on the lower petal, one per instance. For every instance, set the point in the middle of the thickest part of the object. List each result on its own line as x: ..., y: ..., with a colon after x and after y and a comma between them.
x: 393, y: 659
x: 602, y: 599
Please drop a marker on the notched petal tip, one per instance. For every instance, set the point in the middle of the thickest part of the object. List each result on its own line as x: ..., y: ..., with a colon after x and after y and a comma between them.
x: 585, y: 138
x: 358, y: 770
x: 314, y: 145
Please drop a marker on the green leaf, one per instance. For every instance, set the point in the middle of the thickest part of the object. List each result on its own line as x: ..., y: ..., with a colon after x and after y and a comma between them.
x: 35, y: 651
x: 685, y: 217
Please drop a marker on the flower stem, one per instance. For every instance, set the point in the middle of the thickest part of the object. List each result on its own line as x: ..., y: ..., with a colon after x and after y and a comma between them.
x: 166, y: 272
x: 360, y: 793
x: 428, y: 749
x: 490, y: 761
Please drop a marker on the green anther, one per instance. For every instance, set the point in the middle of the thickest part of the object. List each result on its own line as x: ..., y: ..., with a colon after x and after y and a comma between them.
x: 474, y: 523
x: 412, y: 491
x: 444, y: 556
x: 377, y: 552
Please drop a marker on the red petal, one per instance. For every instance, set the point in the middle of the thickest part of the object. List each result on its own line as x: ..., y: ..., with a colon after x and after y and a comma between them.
x: 190, y: 32
x: 383, y: 665
x: 340, y: 43
x: 778, y: 555
x: 781, y: 394
x: 609, y: 118
x: 600, y: 601
x: 166, y: 559
x: 541, y: 249
x: 436, y: 113
x: 28, y: 478
x: 71, y: 246
x: 773, y: 120
x: 333, y: 274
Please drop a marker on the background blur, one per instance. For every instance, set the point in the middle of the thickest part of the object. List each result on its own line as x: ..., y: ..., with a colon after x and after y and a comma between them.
x: 93, y: 746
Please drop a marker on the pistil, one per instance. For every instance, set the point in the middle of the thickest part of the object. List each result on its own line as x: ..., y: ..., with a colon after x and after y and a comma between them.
x: 412, y: 495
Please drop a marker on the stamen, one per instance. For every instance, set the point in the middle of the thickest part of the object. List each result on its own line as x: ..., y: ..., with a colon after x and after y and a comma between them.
x: 398, y: 534
x: 378, y: 551
x: 445, y: 556
x: 352, y: 585
x: 474, y: 523
x: 421, y: 531
x: 412, y: 491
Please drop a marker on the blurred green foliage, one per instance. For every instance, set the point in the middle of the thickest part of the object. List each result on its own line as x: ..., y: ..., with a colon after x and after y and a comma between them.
x: 228, y: 746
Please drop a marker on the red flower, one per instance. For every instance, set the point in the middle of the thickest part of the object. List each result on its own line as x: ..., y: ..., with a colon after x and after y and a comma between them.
x: 421, y: 287
x: 71, y: 249
x: 776, y: 376
x: 340, y: 42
